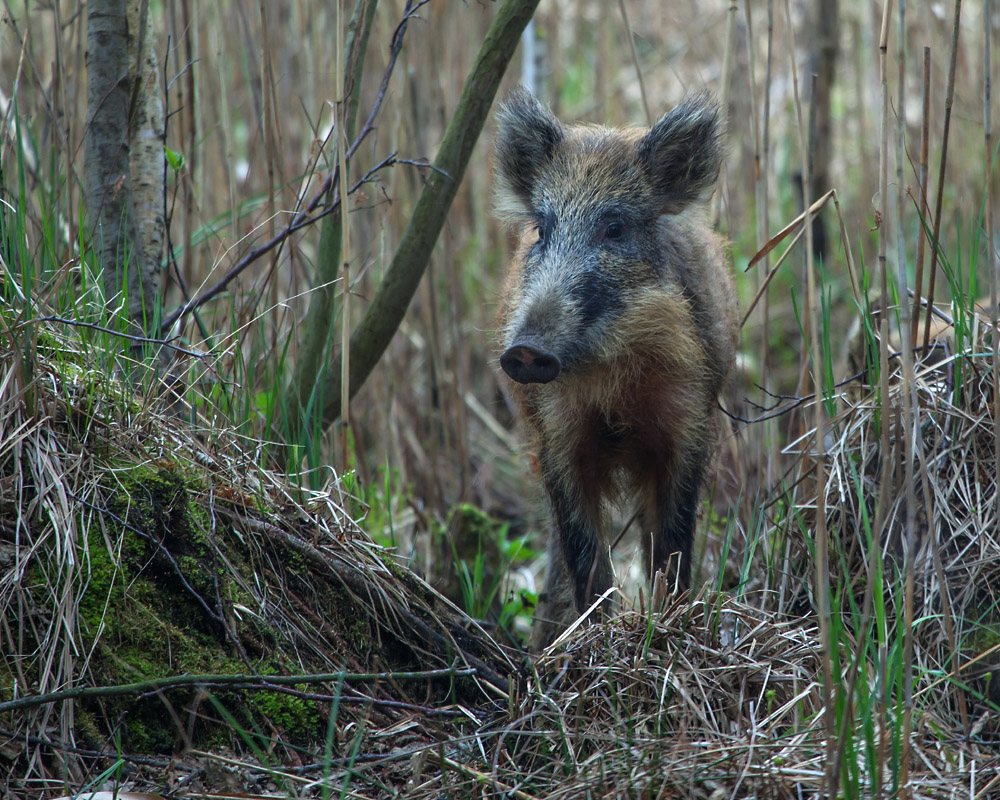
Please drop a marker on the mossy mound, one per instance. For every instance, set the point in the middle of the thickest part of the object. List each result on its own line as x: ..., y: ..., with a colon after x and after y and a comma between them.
x: 134, y: 555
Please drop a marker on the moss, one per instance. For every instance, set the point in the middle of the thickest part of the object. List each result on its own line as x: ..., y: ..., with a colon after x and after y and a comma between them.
x: 87, y: 730
x: 157, y: 576
x: 145, y: 571
x: 6, y: 682
x: 296, y: 562
x: 291, y: 716
x: 156, y: 506
x: 986, y: 636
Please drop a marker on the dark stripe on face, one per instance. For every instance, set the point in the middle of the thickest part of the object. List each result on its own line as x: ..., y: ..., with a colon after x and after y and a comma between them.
x: 596, y: 298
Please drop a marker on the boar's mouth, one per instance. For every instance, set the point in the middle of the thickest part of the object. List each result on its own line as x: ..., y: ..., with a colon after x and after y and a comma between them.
x: 529, y: 361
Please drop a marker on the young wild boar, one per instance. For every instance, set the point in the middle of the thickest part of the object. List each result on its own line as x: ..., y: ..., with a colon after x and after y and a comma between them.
x: 617, y: 329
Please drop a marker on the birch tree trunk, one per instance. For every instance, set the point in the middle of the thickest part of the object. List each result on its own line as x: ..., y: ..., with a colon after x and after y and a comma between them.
x: 146, y: 153
x: 107, y: 182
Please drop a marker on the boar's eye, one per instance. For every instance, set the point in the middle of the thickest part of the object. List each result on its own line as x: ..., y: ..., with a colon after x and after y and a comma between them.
x: 615, y: 230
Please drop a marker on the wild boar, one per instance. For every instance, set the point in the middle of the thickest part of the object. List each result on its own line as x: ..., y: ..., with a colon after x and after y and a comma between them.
x: 617, y: 328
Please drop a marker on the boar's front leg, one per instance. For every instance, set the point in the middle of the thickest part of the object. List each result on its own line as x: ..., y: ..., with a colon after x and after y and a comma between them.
x: 670, y: 525
x: 556, y: 608
x: 579, y: 563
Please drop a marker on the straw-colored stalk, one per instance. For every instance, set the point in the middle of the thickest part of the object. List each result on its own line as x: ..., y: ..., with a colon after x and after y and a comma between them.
x: 345, y: 224
x: 949, y: 99
x: 909, y: 400
x: 725, y: 91
x: 991, y: 261
x: 822, y: 588
x: 922, y: 181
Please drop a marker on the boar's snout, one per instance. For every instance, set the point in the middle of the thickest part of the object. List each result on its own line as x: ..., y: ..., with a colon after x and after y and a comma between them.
x: 527, y: 361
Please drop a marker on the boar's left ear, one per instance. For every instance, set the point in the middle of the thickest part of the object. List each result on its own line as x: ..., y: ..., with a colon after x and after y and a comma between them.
x: 682, y: 152
x: 527, y: 139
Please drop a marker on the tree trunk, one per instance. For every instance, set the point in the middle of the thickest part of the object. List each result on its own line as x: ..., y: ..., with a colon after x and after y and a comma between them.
x: 107, y: 183
x: 146, y: 155
x: 400, y: 282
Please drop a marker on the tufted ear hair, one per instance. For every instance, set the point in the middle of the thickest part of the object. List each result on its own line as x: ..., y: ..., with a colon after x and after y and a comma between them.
x: 682, y: 153
x: 528, y: 137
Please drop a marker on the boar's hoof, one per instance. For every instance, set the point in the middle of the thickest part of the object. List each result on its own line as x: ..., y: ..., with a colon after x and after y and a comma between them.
x: 526, y: 363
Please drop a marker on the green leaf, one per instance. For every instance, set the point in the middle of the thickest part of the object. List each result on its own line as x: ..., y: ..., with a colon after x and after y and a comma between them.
x: 174, y: 159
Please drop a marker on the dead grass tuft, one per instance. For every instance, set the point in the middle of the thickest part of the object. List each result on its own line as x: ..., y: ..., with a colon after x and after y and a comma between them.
x: 136, y: 548
x: 955, y: 523
x: 716, y: 699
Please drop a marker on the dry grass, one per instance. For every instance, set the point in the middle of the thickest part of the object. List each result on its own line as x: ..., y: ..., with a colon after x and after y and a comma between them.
x: 135, y: 548
x: 717, y: 697
x: 953, y: 551
x: 713, y: 699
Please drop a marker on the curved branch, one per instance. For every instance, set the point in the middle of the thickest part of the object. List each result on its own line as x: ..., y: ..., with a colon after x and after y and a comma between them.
x: 397, y: 288
x: 264, y: 682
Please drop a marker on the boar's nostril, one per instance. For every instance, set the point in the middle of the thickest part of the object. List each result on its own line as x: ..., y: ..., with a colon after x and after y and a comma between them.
x: 525, y: 363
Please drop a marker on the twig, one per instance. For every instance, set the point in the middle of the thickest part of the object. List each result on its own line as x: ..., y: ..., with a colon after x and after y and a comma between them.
x: 799, y: 400
x: 61, y: 746
x: 303, y: 218
x: 130, y: 336
x: 300, y: 221
x: 262, y: 682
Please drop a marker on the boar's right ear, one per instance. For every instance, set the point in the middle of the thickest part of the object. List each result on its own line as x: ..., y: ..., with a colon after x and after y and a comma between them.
x: 682, y: 152
x: 527, y: 138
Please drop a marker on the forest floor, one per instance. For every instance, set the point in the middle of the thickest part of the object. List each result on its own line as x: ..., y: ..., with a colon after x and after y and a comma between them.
x: 179, y: 620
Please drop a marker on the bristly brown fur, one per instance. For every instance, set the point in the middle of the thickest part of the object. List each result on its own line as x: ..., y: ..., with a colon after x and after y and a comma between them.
x: 618, y: 328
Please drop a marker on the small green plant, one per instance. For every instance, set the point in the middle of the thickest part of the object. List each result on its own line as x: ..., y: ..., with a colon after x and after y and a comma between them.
x: 484, y: 574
